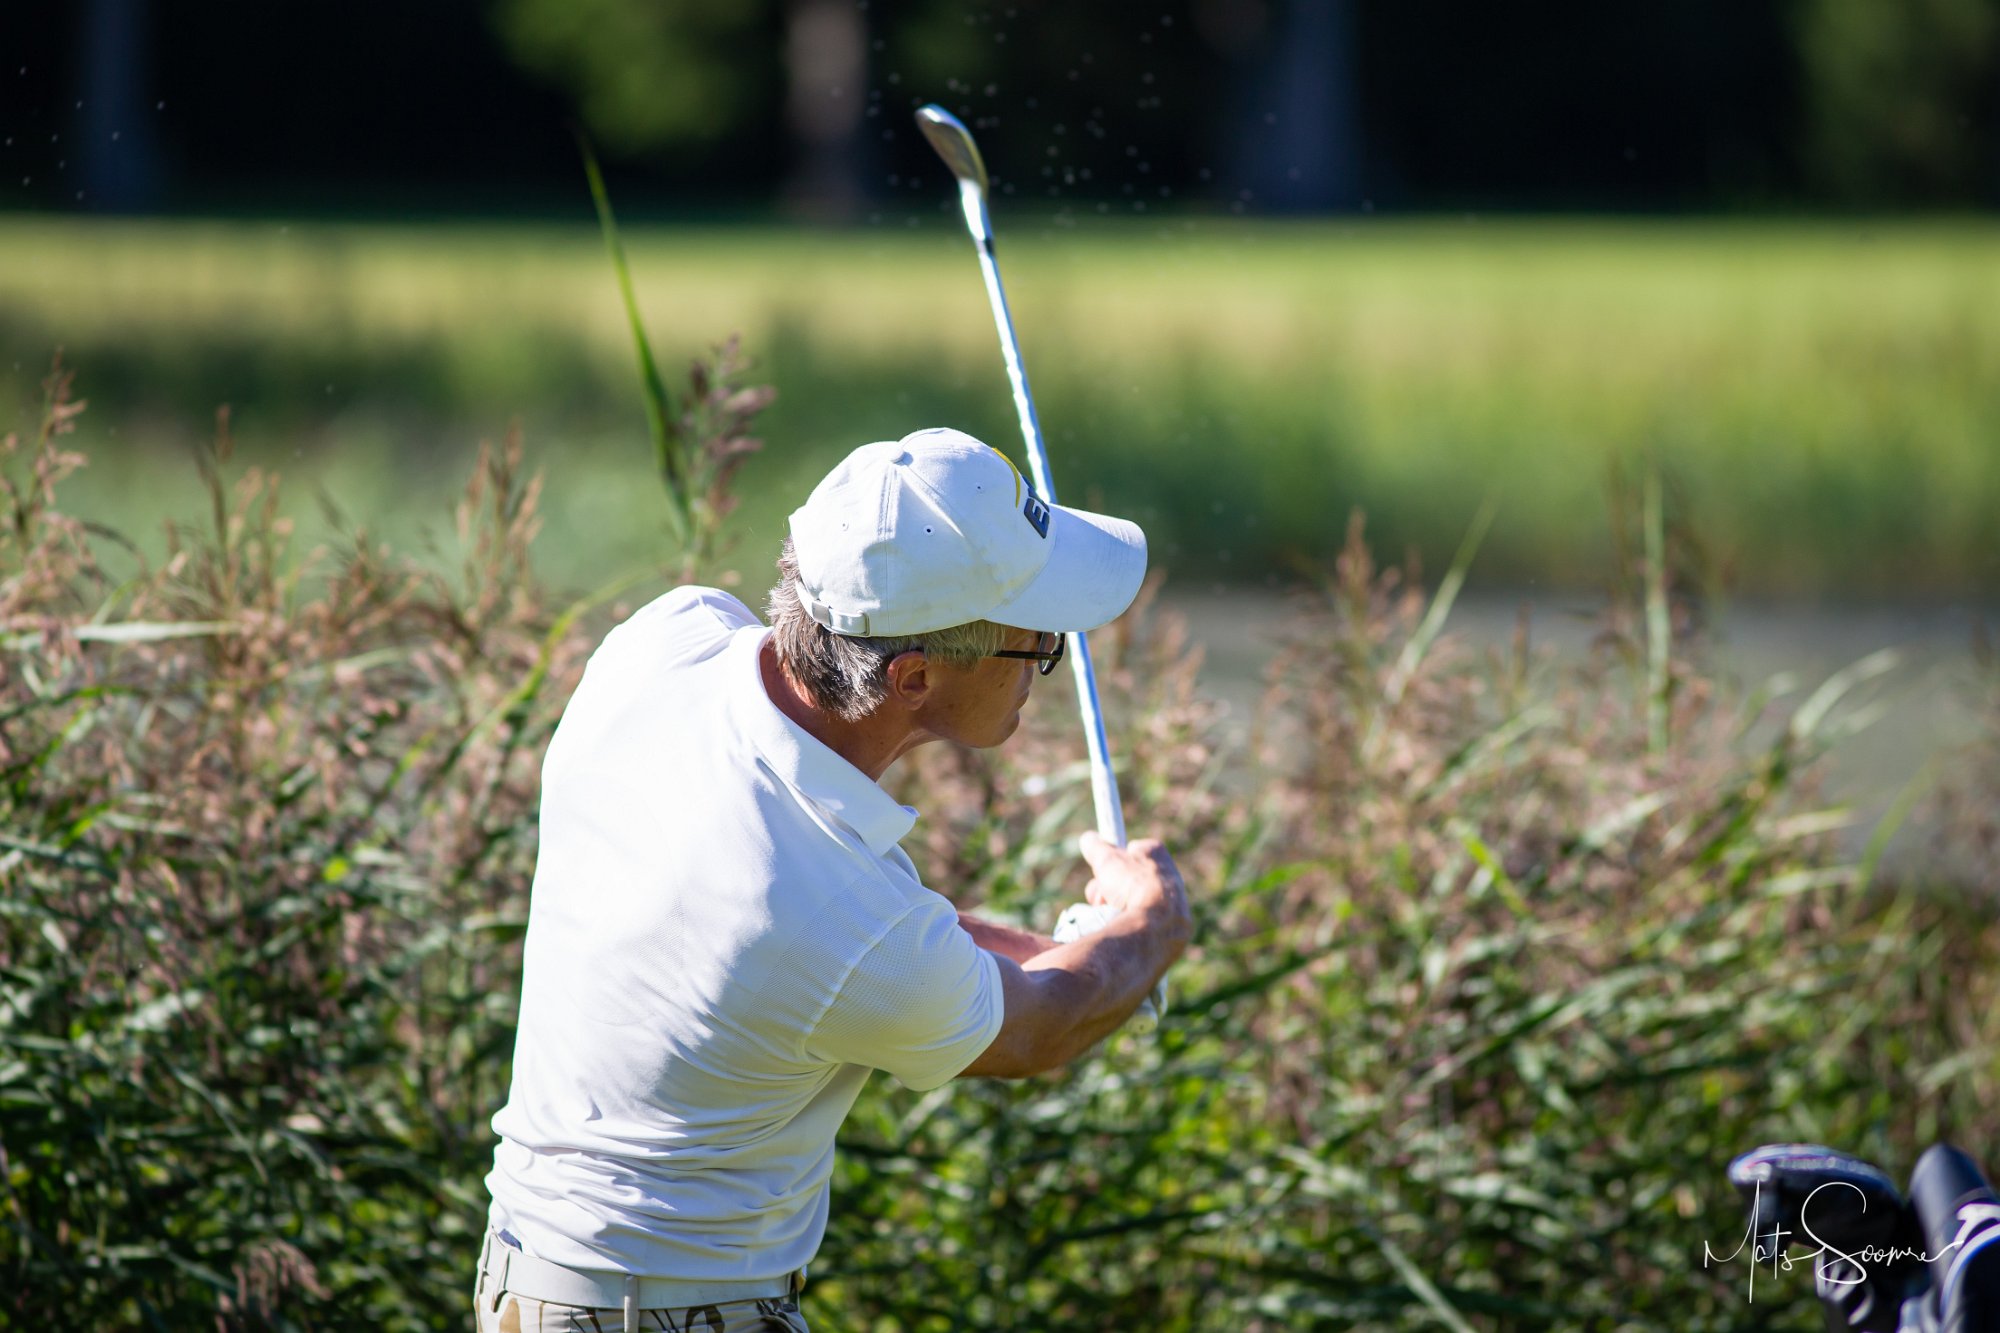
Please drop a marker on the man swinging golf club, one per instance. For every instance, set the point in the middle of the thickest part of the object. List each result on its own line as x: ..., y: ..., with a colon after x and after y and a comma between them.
x: 724, y: 936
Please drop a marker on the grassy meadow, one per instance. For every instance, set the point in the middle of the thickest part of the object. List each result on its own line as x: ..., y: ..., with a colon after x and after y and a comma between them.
x: 1502, y: 952
x: 1506, y: 958
x: 1818, y: 396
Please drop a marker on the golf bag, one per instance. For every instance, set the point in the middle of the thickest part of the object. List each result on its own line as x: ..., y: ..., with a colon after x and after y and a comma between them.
x: 1881, y: 1264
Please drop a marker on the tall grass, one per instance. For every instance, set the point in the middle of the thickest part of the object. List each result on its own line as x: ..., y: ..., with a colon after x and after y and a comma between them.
x: 1501, y: 956
x: 1500, y: 967
x: 1816, y: 392
x: 268, y: 827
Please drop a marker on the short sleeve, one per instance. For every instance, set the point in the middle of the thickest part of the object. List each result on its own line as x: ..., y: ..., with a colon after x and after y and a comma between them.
x: 685, y: 625
x: 922, y: 1003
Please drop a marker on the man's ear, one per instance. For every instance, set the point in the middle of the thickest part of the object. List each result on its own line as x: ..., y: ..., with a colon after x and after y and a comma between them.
x: 910, y: 682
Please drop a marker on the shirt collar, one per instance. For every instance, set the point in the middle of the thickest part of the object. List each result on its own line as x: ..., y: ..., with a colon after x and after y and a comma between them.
x: 805, y: 763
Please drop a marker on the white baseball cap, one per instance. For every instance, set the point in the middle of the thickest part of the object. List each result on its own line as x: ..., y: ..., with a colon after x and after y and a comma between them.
x: 936, y: 529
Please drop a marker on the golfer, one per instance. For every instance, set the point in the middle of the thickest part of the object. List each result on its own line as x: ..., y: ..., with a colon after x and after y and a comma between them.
x: 724, y: 936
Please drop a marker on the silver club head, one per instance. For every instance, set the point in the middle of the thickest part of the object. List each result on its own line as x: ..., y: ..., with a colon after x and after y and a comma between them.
x: 954, y: 144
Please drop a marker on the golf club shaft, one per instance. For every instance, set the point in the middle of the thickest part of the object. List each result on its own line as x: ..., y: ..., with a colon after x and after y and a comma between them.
x: 1103, y: 782
x: 954, y: 144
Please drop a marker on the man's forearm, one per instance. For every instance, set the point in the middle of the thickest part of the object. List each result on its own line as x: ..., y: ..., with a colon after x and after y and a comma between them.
x: 1070, y: 997
x: 1104, y: 977
x: 1062, y: 999
x: 1007, y: 941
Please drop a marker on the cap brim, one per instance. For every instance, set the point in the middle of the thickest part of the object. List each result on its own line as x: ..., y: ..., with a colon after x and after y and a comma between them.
x: 1096, y: 564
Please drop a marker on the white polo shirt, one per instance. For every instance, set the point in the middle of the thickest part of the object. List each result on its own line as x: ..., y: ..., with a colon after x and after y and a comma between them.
x: 723, y: 939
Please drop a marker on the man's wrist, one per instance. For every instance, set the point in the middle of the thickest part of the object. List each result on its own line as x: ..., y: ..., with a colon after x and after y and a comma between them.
x: 1008, y: 941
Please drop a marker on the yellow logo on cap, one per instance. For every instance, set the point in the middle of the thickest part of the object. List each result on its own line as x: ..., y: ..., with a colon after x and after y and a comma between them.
x: 1011, y: 468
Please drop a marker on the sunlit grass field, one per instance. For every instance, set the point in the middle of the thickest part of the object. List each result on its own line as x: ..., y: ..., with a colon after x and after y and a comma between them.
x: 1504, y: 952
x: 1820, y: 397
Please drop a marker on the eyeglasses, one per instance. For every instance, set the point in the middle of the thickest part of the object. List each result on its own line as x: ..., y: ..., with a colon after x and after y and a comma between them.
x: 1048, y: 651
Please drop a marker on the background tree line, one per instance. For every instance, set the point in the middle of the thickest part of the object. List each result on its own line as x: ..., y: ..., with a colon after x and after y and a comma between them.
x: 1255, y: 105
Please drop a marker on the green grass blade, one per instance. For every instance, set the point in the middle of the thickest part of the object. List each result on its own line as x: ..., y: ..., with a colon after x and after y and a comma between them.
x: 1431, y: 625
x: 1420, y: 1285
x: 1659, y: 623
x: 1892, y: 819
x: 1813, y: 712
x: 666, y: 450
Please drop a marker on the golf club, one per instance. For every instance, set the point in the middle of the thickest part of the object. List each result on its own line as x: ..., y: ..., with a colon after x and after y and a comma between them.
x: 953, y: 142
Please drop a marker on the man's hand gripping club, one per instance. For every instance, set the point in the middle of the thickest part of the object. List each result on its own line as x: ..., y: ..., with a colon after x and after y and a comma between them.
x: 1092, y: 915
x: 1066, y: 999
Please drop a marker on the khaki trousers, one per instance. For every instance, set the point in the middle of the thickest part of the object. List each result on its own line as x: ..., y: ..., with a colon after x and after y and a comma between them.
x: 521, y: 1314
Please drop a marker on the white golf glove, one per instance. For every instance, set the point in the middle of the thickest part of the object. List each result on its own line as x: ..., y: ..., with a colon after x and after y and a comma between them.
x: 1080, y: 919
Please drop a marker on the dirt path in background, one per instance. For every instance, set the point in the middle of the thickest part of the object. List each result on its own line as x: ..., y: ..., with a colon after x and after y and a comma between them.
x: 1926, y: 702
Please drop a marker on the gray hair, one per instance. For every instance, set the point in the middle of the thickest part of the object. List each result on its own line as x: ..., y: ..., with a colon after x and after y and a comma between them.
x: 848, y: 674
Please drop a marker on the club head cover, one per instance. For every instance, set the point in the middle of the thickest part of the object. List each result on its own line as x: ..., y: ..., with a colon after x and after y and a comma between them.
x: 1960, y: 1219
x: 1838, y: 1206
x: 1821, y: 1196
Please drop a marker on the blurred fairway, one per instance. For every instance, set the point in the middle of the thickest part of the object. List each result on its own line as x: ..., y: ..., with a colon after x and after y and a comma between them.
x: 1822, y: 398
